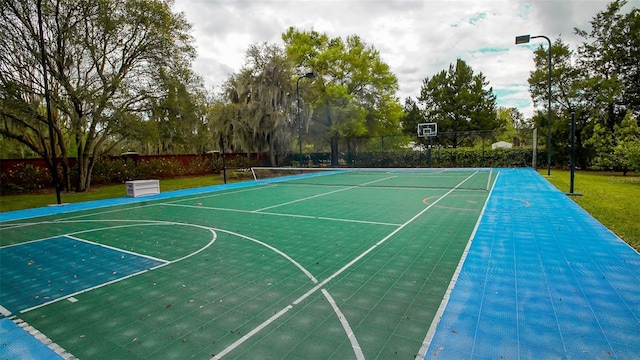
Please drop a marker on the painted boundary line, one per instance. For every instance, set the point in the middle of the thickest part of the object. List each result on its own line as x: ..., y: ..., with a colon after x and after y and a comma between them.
x: 116, y: 249
x: 320, y: 285
x: 284, y: 215
x: 140, y: 223
x: 452, y: 283
x: 44, y: 339
x: 324, y: 194
x: 96, y: 204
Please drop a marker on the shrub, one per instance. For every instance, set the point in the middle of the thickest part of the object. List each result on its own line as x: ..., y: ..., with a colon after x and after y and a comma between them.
x: 24, y: 177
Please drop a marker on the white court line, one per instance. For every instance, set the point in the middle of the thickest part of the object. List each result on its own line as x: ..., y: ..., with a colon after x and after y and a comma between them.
x: 303, y: 199
x: 357, y: 221
x: 253, y: 188
x: 82, y: 291
x: 286, y: 215
x: 333, y: 276
x: 324, y: 194
x: 182, y: 198
x: 445, y: 299
x: 343, y: 320
x: 345, y: 324
x: 144, y: 222
x: 341, y: 317
x: 149, y: 223
x: 116, y: 249
x: 104, y: 212
x: 302, y: 268
x: 16, y: 225
x: 31, y: 241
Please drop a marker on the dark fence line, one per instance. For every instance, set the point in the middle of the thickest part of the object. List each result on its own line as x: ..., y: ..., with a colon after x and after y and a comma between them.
x: 24, y: 175
x: 183, y: 159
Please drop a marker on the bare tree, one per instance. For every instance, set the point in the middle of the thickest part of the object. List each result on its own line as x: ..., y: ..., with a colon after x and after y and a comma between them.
x: 103, y: 60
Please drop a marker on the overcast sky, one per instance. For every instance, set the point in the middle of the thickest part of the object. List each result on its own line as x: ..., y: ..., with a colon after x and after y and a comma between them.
x: 416, y: 38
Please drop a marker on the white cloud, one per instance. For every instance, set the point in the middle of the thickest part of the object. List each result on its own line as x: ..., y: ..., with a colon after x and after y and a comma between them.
x: 416, y: 38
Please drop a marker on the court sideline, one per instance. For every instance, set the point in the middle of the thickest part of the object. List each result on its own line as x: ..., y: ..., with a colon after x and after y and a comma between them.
x: 542, y: 280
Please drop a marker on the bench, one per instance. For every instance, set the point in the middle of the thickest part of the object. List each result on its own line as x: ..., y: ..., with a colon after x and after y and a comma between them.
x: 137, y: 188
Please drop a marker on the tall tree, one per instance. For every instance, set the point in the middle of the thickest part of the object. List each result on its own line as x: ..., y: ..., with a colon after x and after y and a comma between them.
x: 412, y: 115
x: 22, y: 102
x: 514, y: 128
x: 568, y: 82
x: 609, y: 58
x: 260, y: 96
x: 618, y: 149
x: 177, y: 115
x: 103, y: 58
x: 355, y: 91
x: 460, y: 102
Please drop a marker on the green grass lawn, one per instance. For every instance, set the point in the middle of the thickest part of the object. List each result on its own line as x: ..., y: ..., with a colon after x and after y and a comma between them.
x: 44, y: 198
x: 609, y: 197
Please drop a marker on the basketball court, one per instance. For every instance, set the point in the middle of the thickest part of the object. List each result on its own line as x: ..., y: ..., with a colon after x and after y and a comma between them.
x: 327, y: 264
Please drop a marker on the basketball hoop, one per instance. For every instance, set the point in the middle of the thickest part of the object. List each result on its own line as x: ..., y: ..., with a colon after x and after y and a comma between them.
x: 427, y: 130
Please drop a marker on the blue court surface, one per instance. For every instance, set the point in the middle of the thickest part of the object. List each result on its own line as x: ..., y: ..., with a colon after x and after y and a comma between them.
x: 39, y: 272
x: 542, y: 280
x: 23, y: 344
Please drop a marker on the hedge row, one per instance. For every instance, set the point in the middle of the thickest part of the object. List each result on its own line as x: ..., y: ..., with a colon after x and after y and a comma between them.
x: 25, y: 177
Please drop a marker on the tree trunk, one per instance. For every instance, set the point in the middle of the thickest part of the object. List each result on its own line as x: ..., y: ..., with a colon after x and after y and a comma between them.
x: 333, y: 140
x: 66, y: 177
x: 81, y: 166
x: 334, y: 150
x: 272, y: 155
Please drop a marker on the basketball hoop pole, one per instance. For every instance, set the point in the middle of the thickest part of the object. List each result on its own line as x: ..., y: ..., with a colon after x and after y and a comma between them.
x: 429, y: 152
x: 428, y: 131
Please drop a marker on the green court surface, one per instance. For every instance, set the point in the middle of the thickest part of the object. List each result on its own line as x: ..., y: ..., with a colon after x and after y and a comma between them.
x: 353, y: 266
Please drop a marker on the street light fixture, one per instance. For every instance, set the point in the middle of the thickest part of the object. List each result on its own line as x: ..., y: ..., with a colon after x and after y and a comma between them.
x: 307, y: 75
x: 523, y: 39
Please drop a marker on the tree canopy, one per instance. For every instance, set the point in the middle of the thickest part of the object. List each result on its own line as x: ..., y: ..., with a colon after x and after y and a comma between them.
x: 103, y: 62
x: 459, y: 102
x: 120, y: 79
x: 599, y: 82
x: 618, y: 150
x: 354, y: 95
x: 608, y: 59
x: 257, y: 116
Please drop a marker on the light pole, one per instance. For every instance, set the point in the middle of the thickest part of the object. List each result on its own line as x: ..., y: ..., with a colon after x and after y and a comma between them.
x: 307, y: 75
x: 523, y: 39
x: 47, y: 98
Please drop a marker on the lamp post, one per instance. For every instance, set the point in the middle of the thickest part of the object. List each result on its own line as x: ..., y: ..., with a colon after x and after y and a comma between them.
x: 307, y: 75
x: 523, y: 39
x: 47, y: 97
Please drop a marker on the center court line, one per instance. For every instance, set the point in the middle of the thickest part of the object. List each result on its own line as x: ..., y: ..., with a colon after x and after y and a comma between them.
x: 286, y: 215
x: 331, y: 277
x: 324, y: 194
x: 343, y: 320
